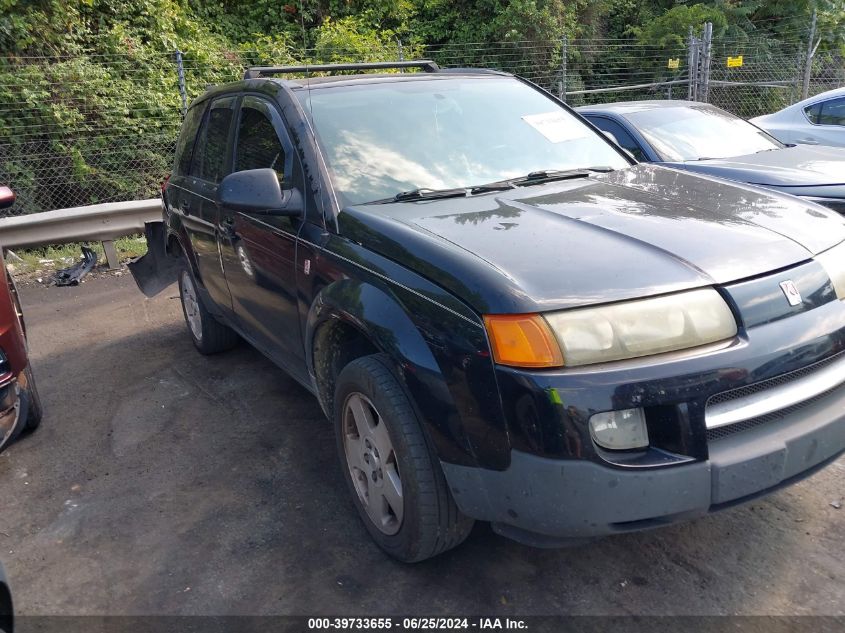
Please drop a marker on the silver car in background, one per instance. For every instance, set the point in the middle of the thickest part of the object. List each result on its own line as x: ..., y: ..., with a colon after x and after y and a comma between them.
x: 704, y: 139
x: 819, y: 120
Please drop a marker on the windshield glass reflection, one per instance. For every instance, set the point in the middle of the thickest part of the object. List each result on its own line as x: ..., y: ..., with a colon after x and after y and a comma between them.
x: 384, y: 139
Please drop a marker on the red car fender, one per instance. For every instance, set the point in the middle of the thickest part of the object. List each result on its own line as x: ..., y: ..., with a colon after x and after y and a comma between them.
x: 12, y: 340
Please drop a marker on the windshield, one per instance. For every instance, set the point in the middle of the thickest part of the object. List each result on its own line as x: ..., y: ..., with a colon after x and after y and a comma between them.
x: 397, y: 136
x: 696, y: 133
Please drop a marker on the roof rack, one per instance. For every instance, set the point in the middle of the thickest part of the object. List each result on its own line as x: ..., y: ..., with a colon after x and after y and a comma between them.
x: 268, y: 71
x: 460, y: 70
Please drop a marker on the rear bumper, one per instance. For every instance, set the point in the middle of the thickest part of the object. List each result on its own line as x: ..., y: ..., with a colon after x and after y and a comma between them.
x: 544, y: 501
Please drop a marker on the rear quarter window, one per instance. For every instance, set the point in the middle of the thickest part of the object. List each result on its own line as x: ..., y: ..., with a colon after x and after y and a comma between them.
x: 210, y: 151
x: 187, y: 138
x: 812, y: 113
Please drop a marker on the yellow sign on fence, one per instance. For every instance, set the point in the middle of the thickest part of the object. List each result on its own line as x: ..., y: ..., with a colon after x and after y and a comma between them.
x: 673, y: 63
x: 735, y: 62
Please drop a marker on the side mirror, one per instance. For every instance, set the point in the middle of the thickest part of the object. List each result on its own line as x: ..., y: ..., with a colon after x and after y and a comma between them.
x: 615, y: 141
x: 258, y: 191
x: 7, y: 197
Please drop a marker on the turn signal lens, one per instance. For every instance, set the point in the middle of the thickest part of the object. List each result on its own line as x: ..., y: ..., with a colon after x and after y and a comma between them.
x: 522, y: 340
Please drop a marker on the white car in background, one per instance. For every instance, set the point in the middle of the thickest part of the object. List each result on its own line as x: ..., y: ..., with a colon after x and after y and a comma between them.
x: 819, y: 120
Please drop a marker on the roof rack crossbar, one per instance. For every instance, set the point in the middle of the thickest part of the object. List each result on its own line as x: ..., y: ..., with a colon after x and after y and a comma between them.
x: 268, y: 71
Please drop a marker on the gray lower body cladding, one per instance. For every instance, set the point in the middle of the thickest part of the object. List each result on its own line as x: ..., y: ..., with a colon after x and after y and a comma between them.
x: 545, y: 501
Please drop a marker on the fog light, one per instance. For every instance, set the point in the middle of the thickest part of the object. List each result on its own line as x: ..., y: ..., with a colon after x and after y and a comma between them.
x: 619, y: 430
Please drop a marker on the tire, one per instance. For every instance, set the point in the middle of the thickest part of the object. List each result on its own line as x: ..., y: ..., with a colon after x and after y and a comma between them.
x: 208, y: 334
x: 384, y: 443
x: 36, y: 410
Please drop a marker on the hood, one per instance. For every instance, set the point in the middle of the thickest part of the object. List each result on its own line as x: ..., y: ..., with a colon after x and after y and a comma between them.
x: 632, y: 233
x: 799, y: 166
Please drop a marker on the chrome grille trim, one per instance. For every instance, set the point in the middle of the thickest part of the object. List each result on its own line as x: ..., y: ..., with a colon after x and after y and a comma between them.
x: 783, y: 394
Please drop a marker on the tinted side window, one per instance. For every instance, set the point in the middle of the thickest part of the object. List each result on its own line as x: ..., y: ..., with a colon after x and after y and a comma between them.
x: 187, y: 138
x: 832, y: 112
x: 258, y: 144
x: 813, y: 112
x: 622, y: 136
x: 210, y: 153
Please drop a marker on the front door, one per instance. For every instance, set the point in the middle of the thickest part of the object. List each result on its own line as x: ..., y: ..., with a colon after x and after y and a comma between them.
x: 259, y: 250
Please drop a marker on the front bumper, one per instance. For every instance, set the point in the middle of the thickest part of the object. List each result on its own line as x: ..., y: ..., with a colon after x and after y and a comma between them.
x: 544, y: 501
x: 725, y: 423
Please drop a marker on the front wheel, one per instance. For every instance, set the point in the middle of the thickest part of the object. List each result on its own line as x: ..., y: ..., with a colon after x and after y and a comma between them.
x: 208, y: 334
x: 396, y: 481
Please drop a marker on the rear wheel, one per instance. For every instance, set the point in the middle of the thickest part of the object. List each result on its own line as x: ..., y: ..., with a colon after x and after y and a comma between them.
x: 208, y: 334
x: 395, y: 479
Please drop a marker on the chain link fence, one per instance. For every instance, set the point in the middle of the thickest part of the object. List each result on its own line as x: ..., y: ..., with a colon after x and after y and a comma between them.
x: 87, y: 129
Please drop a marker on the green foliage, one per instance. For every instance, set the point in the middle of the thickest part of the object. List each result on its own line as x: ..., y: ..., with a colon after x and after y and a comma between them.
x: 351, y: 39
x: 482, y: 21
x: 671, y: 29
x: 89, y: 99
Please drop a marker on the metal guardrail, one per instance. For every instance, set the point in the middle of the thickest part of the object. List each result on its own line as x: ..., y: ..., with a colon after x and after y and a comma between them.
x: 99, y: 222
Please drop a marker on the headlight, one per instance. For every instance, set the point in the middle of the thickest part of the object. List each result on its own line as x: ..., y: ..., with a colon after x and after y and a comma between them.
x: 833, y: 261
x: 642, y: 327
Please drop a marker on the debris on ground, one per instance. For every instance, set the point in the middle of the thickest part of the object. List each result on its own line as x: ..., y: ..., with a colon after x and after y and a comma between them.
x: 836, y: 505
x: 72, y: 275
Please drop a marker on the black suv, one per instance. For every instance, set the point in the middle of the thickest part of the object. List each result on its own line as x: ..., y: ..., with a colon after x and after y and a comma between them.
x: 506, y: 317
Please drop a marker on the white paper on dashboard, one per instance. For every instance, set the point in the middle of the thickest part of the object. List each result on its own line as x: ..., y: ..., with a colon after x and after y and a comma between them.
x: 557, y: 127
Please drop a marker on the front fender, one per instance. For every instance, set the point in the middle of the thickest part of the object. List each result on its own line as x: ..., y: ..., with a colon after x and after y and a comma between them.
x: 441, y: 359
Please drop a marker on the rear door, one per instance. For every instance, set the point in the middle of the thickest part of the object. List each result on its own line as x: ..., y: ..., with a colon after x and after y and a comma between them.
x: 259, y: 250
x: 177, y: 193
x: 211, y: 162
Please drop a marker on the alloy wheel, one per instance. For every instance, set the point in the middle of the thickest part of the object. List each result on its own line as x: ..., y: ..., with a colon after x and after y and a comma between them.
x: 192, y: 306
x: 372, y: 463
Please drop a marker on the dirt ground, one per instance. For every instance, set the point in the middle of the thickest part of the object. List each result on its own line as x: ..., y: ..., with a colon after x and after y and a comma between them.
x: 165, y: 482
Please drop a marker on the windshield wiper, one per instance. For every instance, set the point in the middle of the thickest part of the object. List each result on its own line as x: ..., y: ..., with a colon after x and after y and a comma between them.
x: 535, y: 177
x: 499, y: 185
x: 423, y: 194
